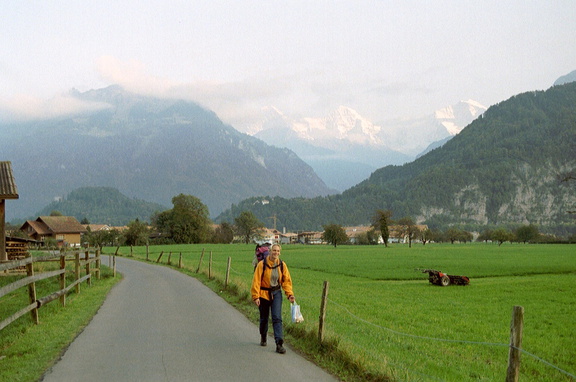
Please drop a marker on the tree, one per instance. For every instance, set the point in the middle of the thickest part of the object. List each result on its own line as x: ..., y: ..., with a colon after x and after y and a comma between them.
x: 247, y: 226
x: 527, y: 233
x: 369, y: 237
x: 137, y: 233
x: 101, y: 238
x: 426, y: 235
x: 452, y: 234
x: 461, y: 235
x: 380, y: 222
x: 187, y: 222
x: 566, y: 178
x: 224, y: 233
x: 485, y: 236
x: 56, y: 213
x: 465, y: 236
x: 408, y: 229
x: 501, y: 235
x: 334, y: 234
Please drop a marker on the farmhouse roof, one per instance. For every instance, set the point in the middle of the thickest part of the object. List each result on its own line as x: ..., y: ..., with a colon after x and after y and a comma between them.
x: 357, y: 230
x: 38, y: 227
x: 8, y: 188
x: 61, y: 224
x: 96, y: 227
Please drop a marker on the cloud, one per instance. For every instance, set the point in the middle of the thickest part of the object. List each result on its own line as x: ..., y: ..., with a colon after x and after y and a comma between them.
x: 238, y: 103
x: 132, y: 76
x: 26, y: 108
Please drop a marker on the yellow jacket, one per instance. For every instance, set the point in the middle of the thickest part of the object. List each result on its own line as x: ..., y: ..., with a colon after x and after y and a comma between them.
x: 259, y: 282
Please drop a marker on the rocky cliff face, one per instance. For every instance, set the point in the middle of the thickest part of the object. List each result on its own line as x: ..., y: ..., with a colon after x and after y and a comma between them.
x: 537, y: 197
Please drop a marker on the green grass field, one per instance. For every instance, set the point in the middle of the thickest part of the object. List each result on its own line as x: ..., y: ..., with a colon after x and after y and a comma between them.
x: 386, y: 316
x: 383, y: 317
x: 28, y: 350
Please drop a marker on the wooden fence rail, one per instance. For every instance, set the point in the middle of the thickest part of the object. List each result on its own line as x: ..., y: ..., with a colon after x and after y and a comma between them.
x: 30, y: 280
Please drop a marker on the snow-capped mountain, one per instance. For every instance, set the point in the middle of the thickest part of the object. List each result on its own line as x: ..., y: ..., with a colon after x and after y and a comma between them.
x: 343, y: 126
x: 455, y: 118
x: 413, y: 136
x: 344, y: 147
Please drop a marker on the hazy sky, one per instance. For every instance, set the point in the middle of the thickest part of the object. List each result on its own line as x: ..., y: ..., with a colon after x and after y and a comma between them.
x: 385, y: 59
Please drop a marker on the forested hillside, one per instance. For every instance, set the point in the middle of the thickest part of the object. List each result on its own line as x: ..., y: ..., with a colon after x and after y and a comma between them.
x: 502, y: 169
x: 103, y: 205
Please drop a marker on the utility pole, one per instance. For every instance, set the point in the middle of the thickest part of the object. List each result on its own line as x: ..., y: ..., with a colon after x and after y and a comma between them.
x: 274, y: 218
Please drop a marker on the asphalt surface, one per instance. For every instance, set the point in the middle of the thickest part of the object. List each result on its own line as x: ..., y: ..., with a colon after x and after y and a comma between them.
x: 158, y: 324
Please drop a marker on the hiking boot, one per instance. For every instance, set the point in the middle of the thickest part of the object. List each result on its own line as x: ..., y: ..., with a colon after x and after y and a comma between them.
x: 279, y: 348
x: 263, y: 341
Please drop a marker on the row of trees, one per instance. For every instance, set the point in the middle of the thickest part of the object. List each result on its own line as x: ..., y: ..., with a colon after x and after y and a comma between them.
x: 335, y: 234
x: 188, y: 223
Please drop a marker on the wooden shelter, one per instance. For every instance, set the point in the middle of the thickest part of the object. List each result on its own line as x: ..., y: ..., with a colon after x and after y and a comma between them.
x: 7, y: 191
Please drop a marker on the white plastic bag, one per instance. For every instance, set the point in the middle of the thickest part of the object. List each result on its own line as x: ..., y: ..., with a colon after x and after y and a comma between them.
x: 296, y: 314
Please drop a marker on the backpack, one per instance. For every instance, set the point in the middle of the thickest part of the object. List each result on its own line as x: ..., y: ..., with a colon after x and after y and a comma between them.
x: 261, y: 252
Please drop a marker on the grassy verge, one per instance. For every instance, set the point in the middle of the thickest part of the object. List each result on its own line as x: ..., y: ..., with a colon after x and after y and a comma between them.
x: 28, y: 350
x: 386, y: 322
x: 305, y: 340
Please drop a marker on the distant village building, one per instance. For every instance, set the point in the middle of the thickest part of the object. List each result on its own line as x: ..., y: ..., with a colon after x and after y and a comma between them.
x: 355, y: 232
x: 97, y: 227
x: 7, y: 191
x: 396, y: 235
x: 310, y: 237
x: 66, y: 230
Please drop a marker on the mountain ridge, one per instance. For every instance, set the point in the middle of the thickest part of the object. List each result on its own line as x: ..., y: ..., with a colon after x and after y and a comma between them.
x: 346, y: 143
x: 151, y: 149
x: 502, y: 169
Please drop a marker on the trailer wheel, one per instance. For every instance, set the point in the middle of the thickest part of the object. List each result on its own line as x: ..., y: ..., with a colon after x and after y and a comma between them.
x: 445, y: 281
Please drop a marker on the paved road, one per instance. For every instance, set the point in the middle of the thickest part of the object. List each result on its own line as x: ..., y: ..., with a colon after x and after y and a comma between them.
x: 160, y: 325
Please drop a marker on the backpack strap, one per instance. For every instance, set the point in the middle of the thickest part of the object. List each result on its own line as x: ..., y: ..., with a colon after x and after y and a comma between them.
x: 270, y: 290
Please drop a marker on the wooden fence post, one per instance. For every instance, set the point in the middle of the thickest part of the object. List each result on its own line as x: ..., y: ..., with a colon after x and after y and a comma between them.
x: 114, y: 266
x: 159, y: 257
x: 98, y: 263
x: 170, y: 258
x: 131, y: 251
x: 210, y: 267
x: 87, y: 258
x: 32, y: 292
x: 115, y: 254
x: 77, y: 270
x: 200, y: 263
x: 227, y: 272
x: 180, y: 261
x: 516, y: 328
x: 322, y: 312
x: 147, y: 252
x: 63, y: 279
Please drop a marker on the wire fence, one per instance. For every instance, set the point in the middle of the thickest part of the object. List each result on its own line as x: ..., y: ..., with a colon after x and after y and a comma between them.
x: 435, y: 339
x: 241, y: 274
